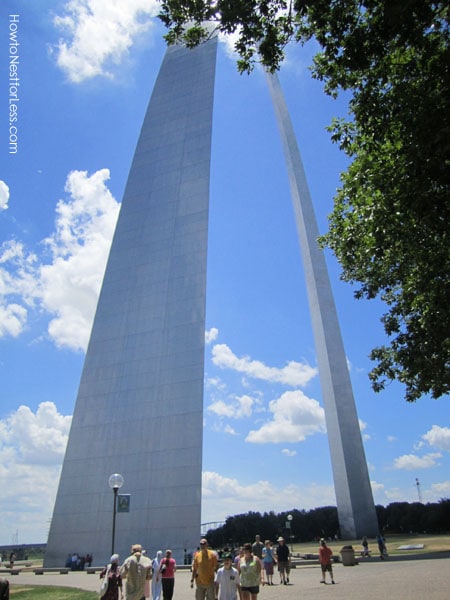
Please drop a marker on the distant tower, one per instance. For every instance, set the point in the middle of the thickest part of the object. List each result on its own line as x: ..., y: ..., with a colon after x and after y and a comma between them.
x: 419, y: 493
x: 356, y: 509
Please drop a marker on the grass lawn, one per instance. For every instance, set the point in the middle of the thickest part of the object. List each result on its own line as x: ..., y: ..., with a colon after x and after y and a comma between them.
x: 44, y: 592
x: 431, y: 543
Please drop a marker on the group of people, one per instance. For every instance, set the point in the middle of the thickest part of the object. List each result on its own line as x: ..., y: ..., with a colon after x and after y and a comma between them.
x: 270, y: 557
x: 77, y: 562
x: 254, y: 566
x: 141, y: 574
x: 239, y: 577
x: 380, y: 543
x: 242, y: 576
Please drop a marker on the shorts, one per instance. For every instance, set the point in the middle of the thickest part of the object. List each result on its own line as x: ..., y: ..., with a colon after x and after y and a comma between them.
x: 283, y: 566
x: 326, y: 568
x: 253, y: 589
x: 268, y: 568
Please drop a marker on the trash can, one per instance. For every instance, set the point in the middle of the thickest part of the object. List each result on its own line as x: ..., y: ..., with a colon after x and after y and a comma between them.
x: 348, y: 556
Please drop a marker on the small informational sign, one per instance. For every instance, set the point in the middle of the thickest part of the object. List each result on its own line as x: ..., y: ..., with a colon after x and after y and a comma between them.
x: 123, y: 502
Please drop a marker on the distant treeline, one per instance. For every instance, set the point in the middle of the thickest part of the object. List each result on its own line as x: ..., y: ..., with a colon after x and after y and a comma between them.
x: 309, y: 525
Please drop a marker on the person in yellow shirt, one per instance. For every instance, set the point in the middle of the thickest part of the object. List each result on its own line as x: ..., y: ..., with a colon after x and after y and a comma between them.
x: 204, y: 568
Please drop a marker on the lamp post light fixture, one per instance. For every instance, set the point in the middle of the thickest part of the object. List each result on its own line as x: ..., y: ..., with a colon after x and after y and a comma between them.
x: 115, y: 482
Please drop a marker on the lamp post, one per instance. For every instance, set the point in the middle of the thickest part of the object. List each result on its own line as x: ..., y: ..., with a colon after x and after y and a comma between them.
x: 115, y: 482
x: 289, y: 526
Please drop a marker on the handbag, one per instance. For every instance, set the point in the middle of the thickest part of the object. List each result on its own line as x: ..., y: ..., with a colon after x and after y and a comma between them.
x: 105, y: 583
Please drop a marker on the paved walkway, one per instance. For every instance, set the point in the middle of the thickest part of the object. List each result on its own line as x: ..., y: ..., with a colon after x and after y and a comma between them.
x: 402, y: 578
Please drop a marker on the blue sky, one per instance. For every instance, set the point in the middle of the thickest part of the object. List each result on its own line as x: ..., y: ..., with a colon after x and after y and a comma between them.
x: 85, y: 73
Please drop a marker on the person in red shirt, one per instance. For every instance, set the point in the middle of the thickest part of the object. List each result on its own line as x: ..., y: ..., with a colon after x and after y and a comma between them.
x: 167, y: 573
x: 325, y: 554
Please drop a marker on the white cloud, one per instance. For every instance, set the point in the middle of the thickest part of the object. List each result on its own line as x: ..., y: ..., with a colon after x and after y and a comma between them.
x: 215, y: 383
x: 67, y: 287
x: 4, y: 195
x: 229, y: 42
x: 238, y: 408
x: 288, y: 452
x: 229, y: 430
x: 38, y: 438
x: 379, y: 492
x: 224, y: 496
x: 32, y: 448
x: 12, y: 319
x: 441, y: 490
x: 211, y: 335
x: 98, y: 34
x: 438, y: 437
x: 395, y: 494
x: 362, y: 427
x: 376, y: 487
x: 410, y: 462
x: 385, y: 495
x: 295, y: 416
x: 293, y: 374
x: 221, y: 427
x: 17, y: 282
x: 70, y: 285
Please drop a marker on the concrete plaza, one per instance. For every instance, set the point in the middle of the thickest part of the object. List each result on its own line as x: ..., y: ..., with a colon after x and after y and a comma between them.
x: 405, y: 577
